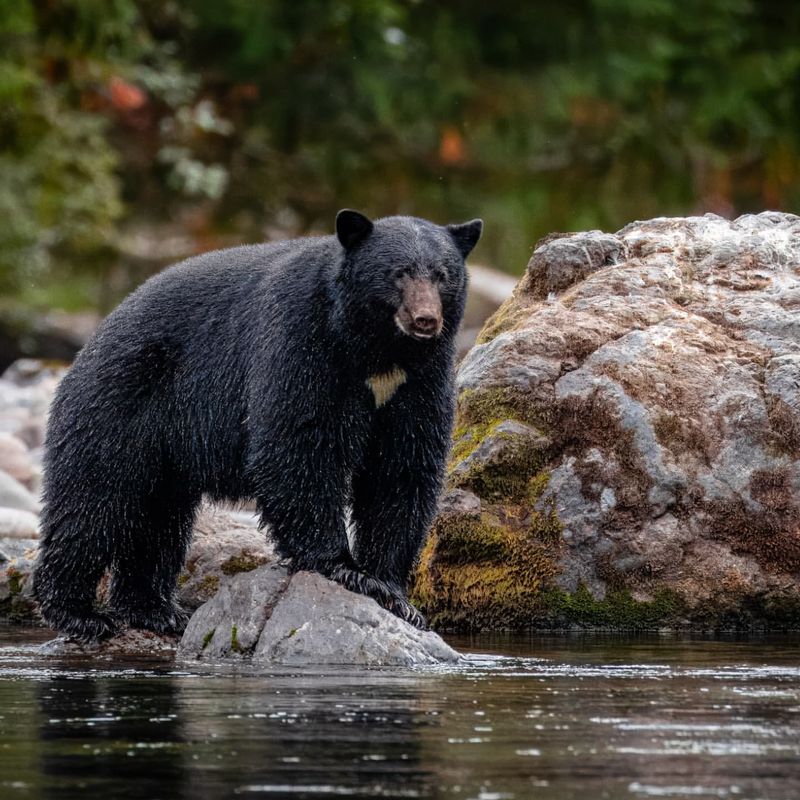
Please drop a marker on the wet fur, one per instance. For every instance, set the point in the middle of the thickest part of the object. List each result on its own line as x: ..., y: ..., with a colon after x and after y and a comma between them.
x: 244, y: 373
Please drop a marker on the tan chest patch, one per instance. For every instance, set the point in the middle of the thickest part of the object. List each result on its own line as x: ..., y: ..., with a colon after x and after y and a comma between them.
x: 383, y: 386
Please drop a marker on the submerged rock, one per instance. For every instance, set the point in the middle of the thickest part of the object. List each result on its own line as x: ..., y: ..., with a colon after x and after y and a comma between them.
x: 126, y: 643
x: 305, y: 620
x: 629, y: 426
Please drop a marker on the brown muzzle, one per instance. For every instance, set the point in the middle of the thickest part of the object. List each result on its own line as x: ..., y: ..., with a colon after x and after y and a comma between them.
x: 420, y: 313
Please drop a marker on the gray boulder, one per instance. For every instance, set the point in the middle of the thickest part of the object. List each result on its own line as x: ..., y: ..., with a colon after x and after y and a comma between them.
x: 305, y: 620
x: 224, y: 543
x: 628, y: 430
x: 320, y: 622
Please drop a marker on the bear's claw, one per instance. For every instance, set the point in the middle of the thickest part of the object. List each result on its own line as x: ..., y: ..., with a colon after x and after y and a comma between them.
x: 385, y: 595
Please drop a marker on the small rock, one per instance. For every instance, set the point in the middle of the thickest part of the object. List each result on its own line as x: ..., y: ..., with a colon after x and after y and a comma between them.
x: 18, y: 548
x: 32, y: 371
x: 14, y: 495
x: 17, y: 524
x: 320, y: 622
x: 459, y: 501
x: 14, y: 458
x: 31, y: 433
x: 13, y: 420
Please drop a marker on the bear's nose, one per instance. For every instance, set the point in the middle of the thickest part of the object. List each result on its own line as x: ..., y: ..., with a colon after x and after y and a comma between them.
x: 425, y: 323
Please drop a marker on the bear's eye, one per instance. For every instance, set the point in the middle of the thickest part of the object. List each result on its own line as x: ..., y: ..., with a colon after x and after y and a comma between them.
x: 399, y: 273
x: 439, y: 274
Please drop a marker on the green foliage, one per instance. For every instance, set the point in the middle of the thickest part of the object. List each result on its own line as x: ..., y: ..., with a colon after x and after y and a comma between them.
x: 223, y: 117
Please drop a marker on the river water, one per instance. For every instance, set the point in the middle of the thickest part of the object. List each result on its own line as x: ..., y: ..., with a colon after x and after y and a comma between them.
x: 524, y: 717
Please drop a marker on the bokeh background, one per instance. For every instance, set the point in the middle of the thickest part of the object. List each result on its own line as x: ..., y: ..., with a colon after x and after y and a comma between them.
x: 136, y: 132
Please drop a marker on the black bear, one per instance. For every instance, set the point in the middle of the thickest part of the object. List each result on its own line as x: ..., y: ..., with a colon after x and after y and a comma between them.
x: 311, y: 375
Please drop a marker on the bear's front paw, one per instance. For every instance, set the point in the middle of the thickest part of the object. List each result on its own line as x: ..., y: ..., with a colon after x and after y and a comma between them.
x: 400, y: 607
x: 361, y: 583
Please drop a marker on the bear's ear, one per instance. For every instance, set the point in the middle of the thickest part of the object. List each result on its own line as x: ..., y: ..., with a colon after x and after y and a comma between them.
x: 351, y: 227
x: 466, y: 235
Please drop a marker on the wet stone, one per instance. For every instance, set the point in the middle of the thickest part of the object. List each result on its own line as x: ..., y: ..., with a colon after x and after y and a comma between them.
x: 305, y: 620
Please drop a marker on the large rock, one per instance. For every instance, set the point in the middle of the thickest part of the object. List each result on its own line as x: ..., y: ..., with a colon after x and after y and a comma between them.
x: 629, y: 430
x: 231, y: 622
x: 305, y: 620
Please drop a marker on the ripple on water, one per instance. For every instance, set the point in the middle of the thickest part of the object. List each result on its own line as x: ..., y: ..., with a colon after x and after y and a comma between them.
x: 564, y: 720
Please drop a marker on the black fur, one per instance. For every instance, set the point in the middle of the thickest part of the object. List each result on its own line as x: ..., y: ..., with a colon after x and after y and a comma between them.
x: 242, y: 374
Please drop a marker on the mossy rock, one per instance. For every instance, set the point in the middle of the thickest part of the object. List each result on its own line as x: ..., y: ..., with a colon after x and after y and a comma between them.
x: 618, y: 610
x: 243, y: 562
x: 497, y: 460
x: 478, y: 574
x: 491, y: 405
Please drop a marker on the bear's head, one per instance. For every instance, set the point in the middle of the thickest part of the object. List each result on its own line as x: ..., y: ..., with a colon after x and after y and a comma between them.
x: 405, y: 276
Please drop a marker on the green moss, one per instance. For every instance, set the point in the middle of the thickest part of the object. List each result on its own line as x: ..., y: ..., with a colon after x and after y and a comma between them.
x: 546, y: 527
x: 467, y: 439
x: 506, y: 318
x: 15, y: 581
x: 617, y: 610
x: 183, y: 579
x: 208, y: 637
x: 478, y: 417
x: 493, y: 405
x: 536, y: 487
x: 478, y: 573
x: 236, y: 647
x: 508, y: 475
x: 208, y: 586
x: 292, y: 632
x: 244, y: 562
x: 468, y: 539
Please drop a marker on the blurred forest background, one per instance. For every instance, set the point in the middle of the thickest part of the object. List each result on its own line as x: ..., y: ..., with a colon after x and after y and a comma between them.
x: 135, y: 132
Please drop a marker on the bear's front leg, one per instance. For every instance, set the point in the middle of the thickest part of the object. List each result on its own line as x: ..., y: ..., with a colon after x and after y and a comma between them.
x: 395, y: 493
x: 303, y: 502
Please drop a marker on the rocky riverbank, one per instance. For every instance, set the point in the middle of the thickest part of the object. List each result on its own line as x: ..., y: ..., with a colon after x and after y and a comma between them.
x: 626, y: 452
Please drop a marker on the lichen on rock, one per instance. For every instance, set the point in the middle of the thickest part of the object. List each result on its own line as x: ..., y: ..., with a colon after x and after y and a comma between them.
x: 637, y: 400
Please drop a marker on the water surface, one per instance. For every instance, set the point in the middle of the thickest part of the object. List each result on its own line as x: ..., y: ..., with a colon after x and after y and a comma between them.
x: 571, y: 717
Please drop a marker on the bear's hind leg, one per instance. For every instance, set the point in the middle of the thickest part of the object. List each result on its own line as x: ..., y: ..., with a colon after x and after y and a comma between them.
x: 146, y: 568
x: 65, y: 583
x: 74, y: 553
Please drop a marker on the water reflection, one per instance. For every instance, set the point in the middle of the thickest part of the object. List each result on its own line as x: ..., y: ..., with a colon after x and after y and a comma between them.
x: 563, y: 718
x: 96, y: 734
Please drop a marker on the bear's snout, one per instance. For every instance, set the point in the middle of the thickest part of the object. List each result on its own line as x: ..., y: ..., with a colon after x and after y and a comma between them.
x: 420, y: 313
